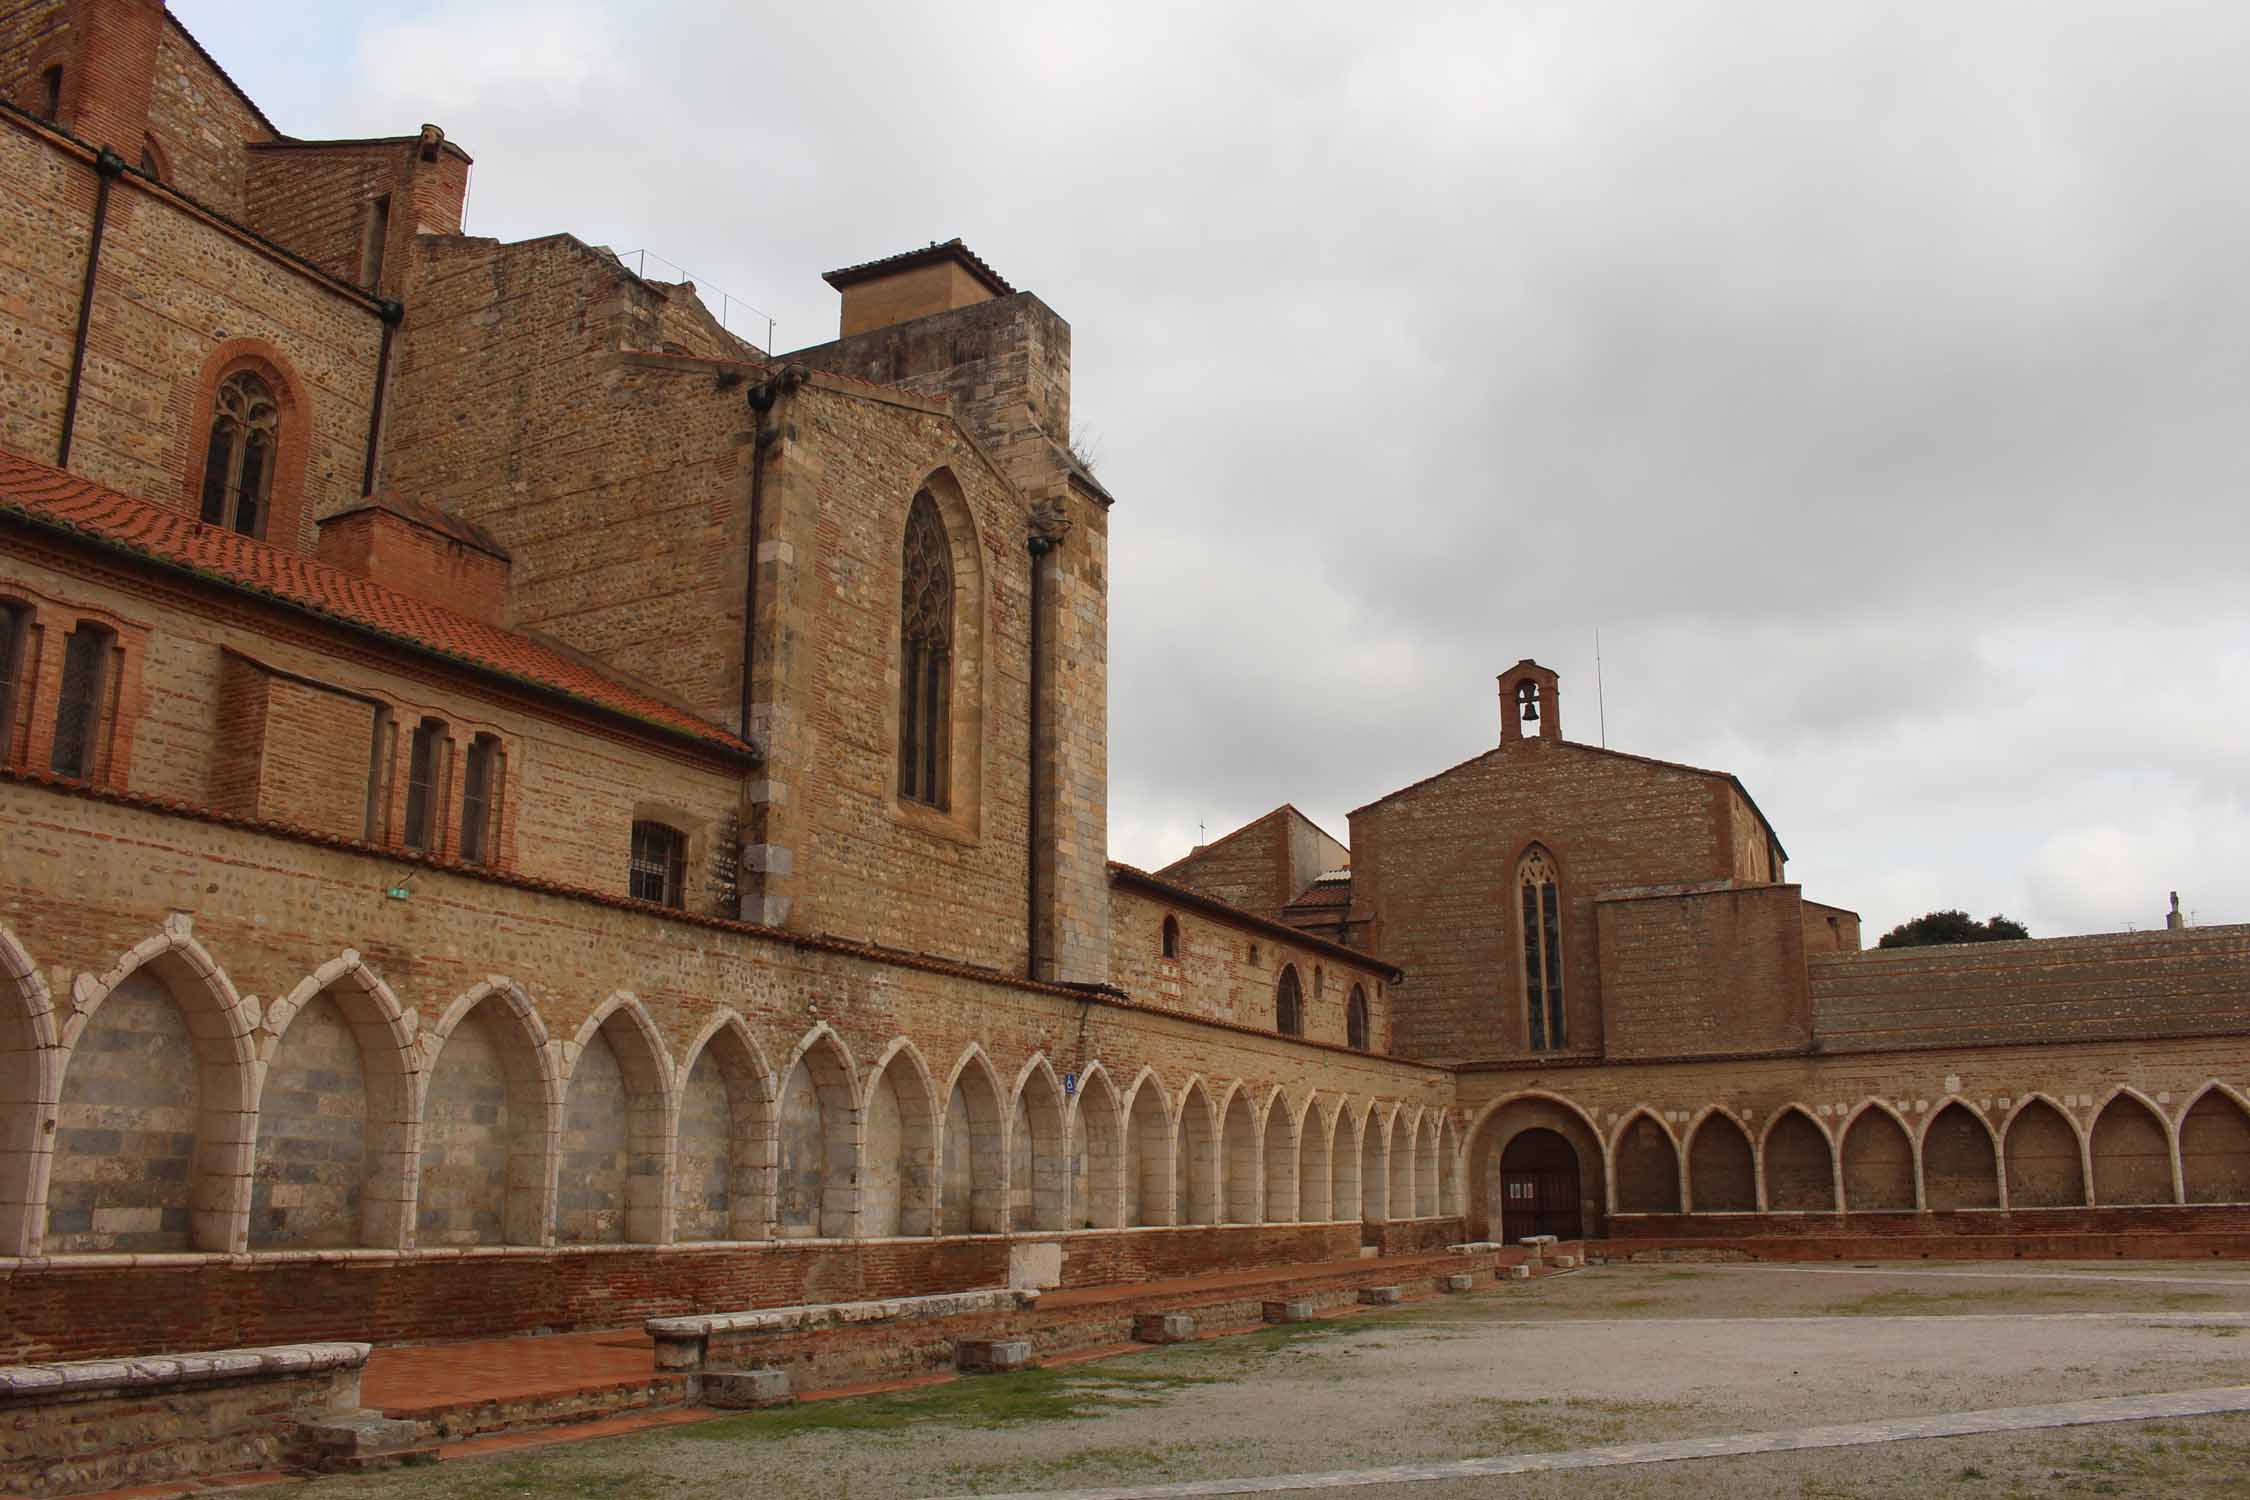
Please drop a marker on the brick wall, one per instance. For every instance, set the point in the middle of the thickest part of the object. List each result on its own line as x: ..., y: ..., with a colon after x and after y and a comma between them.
x: 317, y: 198
x: 1703, y: 973
x: 1435, y: 864
x: 2110, y: 986
x: 201, y: 124
x: 1214, y: 974
x: 178, y: 298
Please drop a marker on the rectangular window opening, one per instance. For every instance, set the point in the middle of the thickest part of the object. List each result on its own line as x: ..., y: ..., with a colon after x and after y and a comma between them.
x: 382, y: 745
x: 78, y: 717
x: 480, y: 800
x: 423, y: 767
x: 15, y: 627
x: 371, y: 249
x: 658, y: 869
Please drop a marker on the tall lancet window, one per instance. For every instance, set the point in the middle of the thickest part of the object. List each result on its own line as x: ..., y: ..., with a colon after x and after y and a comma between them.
x: 238, y: 470
x: 1542, y: 949
x: 925, y: 678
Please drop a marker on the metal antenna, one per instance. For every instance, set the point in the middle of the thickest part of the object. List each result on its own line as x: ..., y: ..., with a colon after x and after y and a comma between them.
x: 1601, y: 700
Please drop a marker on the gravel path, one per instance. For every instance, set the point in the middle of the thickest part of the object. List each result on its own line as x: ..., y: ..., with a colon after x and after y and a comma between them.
x: 1613, y: 1355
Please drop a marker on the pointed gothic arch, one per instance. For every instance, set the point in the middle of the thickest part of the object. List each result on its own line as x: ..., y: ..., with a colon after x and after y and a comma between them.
x: 1097, y: 1136
x: 974, y: 1140
x: 30, y: 1086
x: 2130, y: 1149
x: 817, y: 1148
x: 1150, y: 1196
x: 1315, y: 1170
x: 2214, y: 1136
x: 1797, y: 1163
x: 1960, y: 1154
x: 723, y: 1145
x: 1539, y: 924
x: 1344, y: 1164
x: 898, y: 1155
x: 1562, y: 1138
x: 1877, y: 1152
x: 2043, y: 1156
x: 1722, y: 1170
x: 491, y: 1118
x: 1278, y: 1160
x: 618, y: 1126
x: 1239, y: 1198
x: 936, y: 716
x: 1645, y: 1165
x: 171, y: 1169
x: 1039, y: 1169
x: 338, y: 1034
x: 1199, y: 1175
x: 1449, y: 1168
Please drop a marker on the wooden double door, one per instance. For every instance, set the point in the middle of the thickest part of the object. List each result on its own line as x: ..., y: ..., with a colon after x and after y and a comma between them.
x: 1539, y: 1187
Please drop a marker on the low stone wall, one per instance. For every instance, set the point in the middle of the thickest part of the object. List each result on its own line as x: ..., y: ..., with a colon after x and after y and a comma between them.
x: 104, y: 1424
x: 94, y: 1306
x: 826, y: 1347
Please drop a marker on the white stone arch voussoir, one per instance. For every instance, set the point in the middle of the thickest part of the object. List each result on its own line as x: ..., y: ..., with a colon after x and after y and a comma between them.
x: 220, y: 1023
x: 30, y: 1088
x: 391, y: 1065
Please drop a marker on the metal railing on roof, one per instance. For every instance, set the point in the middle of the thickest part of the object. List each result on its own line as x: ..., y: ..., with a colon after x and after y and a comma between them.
x: 729, y: 303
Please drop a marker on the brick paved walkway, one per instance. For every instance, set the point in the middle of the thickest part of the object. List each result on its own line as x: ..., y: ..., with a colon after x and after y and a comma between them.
x: 2201, y: 1403
x: 407, y: 1379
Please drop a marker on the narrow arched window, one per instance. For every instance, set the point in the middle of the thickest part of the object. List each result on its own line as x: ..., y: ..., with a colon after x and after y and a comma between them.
x: 925, y: 707
x: 1355, y: 1019
x: 15, y: 633
x: 1289, y: 1003
x: 1541, y: 934
x: 481, y: 779
x: 50, y: 94
x: 1319, y: 981
x: 238, y: 465
x: 659, y: 865
x: 1171, y: 937
x: 85, y: 695
x: 425, y: 782
x: 152, y: 158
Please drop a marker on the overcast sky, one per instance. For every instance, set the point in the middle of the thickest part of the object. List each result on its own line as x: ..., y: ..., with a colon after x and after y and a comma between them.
x: 1874, y: 377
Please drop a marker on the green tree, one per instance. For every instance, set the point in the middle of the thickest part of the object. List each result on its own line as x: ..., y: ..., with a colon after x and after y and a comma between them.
x: 1952, y: 927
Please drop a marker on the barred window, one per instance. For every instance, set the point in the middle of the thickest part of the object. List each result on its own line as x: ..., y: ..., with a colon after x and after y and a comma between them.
x: 925, y: 708
x: 425, y: 775
x: 238, y: 465
x: 1541, y: 933
x: 15, y: 631
x: 1171, y: 937
x: 1355, y: 1019
x: 85, y: 687
x: 481, y: 779
x: 1289, y: 1003
x: 659, y: 864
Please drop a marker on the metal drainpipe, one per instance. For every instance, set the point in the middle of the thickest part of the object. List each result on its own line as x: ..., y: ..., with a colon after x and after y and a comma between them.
x: 390, y: 312
x: 108, y: 166
x: 1039, y: 547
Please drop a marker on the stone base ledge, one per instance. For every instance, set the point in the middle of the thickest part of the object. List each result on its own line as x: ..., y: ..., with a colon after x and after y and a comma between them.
x: 839, y: 1314
x: 80, y: 1378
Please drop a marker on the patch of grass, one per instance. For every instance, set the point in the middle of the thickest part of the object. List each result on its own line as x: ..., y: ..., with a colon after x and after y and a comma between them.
x: 1107, y: 1464
x: 1882, y: 1304
x: 979, y: 1401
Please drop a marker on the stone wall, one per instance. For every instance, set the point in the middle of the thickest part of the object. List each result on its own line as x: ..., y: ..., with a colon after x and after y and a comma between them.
x: 1702, y: 973
x: 521, y: 1051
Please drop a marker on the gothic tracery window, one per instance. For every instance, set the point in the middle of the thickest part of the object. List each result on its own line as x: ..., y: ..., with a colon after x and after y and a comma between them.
x: 925, y: 708
x: 238, y: 465
x: 1541, y: 933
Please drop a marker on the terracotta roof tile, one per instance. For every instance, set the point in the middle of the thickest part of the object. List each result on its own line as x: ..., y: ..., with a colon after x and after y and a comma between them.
x: 931, y: 254
x: 56, y: 499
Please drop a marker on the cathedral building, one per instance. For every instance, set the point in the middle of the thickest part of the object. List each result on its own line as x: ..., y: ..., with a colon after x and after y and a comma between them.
x: 521, y: 810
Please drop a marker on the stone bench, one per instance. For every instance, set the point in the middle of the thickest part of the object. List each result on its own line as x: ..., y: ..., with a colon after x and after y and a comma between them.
x: 99, y: 1423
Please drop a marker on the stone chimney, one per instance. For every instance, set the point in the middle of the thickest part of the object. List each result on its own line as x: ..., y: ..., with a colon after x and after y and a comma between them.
x: 2173, y: 921
x: 917, y: 284
x: 1530, y: 695
x: 417, y: 549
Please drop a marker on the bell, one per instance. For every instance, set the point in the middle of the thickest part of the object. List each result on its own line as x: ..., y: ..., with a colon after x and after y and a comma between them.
x: 1527, y: 694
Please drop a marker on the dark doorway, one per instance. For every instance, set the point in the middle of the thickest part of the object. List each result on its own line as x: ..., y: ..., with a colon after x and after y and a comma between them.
x: 1539, y: 1187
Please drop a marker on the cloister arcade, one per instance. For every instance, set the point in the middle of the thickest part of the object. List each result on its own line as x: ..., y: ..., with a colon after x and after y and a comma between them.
x: 154, y: 1109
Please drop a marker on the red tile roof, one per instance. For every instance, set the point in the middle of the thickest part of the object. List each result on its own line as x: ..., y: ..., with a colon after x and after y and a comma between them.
x: 1320, y: 895
x: 56, y: 500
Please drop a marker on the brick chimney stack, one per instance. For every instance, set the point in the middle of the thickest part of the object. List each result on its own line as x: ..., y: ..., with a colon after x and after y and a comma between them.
x: 110, y: 76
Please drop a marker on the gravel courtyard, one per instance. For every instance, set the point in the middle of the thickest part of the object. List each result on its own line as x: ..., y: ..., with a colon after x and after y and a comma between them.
x: 1607, y: 1356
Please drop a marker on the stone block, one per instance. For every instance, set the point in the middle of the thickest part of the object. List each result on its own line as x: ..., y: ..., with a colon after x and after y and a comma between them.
x: 1516, y: 1273
x: 1381, y: 1296
x: 347, y: 1440
x: 1566, y: 1262
x: 1459, y: 1281
x: 1163, y: 1328
x: 991, y: 1356
x: 1297, y: 1311
x: 741, y: 1390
